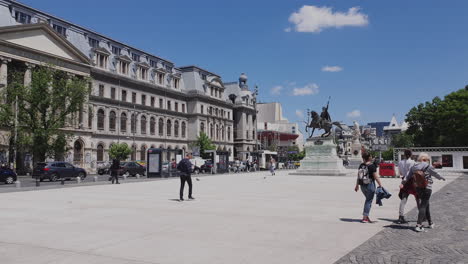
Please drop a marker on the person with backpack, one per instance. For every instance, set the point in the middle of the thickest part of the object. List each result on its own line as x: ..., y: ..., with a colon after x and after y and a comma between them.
x: 422, y: 173
x: 403, y: 167
x: 185, y: 167
x: 367, y: 176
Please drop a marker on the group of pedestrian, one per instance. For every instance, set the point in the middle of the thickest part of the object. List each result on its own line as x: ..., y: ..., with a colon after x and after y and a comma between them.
x: 417, y: 180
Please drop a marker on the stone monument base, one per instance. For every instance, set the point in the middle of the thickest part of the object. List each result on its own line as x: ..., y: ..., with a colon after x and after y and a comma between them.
x: 320, y: 159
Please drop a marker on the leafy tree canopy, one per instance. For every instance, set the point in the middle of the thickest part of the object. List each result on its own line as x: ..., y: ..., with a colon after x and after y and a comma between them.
x: 204, y: 143
x: 119, y: 151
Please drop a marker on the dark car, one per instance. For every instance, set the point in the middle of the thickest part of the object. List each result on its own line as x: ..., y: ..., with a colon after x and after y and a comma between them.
x: 56, y: 170
x: 132, y: 168
x: 7, y: 176
x: 207, y: 166
x: 103, y: 167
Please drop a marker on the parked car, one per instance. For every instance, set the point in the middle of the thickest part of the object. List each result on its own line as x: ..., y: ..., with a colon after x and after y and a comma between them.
x: 132, y: 168
x: 7, y: 175
x: 207, y: 166
x: 56, y: 170
x: 103, y: 167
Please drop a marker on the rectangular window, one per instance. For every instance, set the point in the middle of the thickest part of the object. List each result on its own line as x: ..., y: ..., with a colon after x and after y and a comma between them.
x: 59, y: 29
x: 211, y: 91
x: 153, y: 63
x: 160, y: 78
x: 101, y: 90
x: 143, y: 73
x: 113, y: 93
x: 134, y: 98
x: 176, y: 107
x: 160, y: 103
x: 447, y: 161
x: 229, y: 115
x: 183, y: 108
x: 203, y: 76
x: 124, y: 96
x: 136, y: 57
x: 93, y: 42
x: 123, y: 69
x: 176, y: 83
x: 101, y: 60
x: 116, y: 50
x: 143, y: 99
x: 168, y: 105
x: 201, y: 109
x: 152, y: 101
x: 22, y: 18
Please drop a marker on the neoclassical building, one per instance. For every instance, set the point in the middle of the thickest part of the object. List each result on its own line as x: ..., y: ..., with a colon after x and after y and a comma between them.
x: 137, y: 97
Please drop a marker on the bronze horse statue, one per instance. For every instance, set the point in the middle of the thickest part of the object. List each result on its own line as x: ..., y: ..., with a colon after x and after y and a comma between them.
x: 320, y: 123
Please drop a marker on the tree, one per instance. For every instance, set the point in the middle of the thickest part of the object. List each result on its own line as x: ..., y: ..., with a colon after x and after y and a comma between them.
x: 388, y: 154
x: 441, y: 122
x: 45, y: 107
x: 204, y: 143
x: 402, y: 140
x: 119, y: 151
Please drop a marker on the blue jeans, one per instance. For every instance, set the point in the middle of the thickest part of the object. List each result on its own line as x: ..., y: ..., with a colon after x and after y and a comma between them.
x: 369, y: 192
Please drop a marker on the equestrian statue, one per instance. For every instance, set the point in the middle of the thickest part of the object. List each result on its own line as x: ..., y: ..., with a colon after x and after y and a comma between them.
x: 322, y: 121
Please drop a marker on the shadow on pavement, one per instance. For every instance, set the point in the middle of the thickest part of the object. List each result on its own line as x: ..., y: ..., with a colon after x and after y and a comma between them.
x: 401, y: 227
x: 350, y: 220
x: 174, y: 200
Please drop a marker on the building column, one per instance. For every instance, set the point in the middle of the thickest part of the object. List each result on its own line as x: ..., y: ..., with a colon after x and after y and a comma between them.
x: 28, y: 73
x: 4, y: 71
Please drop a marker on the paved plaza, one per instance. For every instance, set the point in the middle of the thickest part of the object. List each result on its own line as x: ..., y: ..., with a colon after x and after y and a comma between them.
x: 236, y: 218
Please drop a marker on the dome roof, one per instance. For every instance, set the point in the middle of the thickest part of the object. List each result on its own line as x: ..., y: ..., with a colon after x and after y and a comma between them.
x: 243, y: 77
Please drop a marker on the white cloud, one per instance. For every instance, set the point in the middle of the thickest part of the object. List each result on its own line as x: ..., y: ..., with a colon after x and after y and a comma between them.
x: 288, y: 29
x: 276, y: 90
x: 299, y: 113
x: 332, y: 69
x: 310, y: 88
x: 314, y: 19
x: 354, y: 114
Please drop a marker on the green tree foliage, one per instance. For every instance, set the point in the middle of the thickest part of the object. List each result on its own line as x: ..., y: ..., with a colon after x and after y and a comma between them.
x: 296, y: 156
x: 44, y: 107
x: 388, y: 154
x: 441, y: 122
x: 119, y: 151
x: 403, y: 140
x: 204, y: 143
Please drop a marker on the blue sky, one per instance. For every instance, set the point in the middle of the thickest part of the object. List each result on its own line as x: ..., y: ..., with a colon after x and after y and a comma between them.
x: 392, y: 54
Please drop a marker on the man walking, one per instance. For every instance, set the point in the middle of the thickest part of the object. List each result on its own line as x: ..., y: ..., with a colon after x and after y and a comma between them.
x: 185, y: 167
x: 403, y: 167
x: 115, y: 169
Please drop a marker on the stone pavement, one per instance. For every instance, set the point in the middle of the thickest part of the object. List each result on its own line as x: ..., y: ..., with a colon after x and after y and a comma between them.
x: 236, y: 218
x: 447, y: 243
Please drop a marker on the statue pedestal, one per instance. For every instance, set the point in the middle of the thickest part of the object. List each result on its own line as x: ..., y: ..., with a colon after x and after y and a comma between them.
x: 321, y: 159
x: 356, y: 155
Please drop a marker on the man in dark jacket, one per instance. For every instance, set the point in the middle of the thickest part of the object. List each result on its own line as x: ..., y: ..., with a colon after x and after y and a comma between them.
x: 114, y: 169
x: 185, y: 167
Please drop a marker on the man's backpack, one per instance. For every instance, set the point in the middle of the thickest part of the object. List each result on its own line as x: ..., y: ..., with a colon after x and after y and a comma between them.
x: 420, y: 180
x: 363, y: 174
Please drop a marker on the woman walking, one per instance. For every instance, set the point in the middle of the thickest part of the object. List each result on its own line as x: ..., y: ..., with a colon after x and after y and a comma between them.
x: 367, y: 176
x: 272, y: 166
x: 422, y: 173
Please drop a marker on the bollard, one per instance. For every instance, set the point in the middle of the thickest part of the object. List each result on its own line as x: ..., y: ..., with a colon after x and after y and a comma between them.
x: 95, y: 178
x: 62, y: 181
x: 125, y: 177
x: 138, y: 176
x: 18, y: 184
x: 78, y: 179
x: 38, y: 183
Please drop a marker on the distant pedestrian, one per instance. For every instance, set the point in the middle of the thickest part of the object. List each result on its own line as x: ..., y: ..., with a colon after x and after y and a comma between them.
x: 248, y: 165
x: 237, y: 164
x: 115, y: 171
x: 403, y: 167
x: 367, y: 176
x: 185, y: 167
x: 272, y: 166
x: 422, y: 173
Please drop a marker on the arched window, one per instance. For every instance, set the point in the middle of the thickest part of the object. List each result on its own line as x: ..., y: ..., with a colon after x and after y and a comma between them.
x: 161, y: 127
x: 123, y: 122
x: 229, y: 133
x: 78, y: 152
x: 223, y: 131
x: 100, y: 153
x: 217, y: 132
x: 211, y: 131
x: 112, y: 121
x: 100, y: 119
x: 202, y: 127
x: 143, y: 124
x: 133, y: 123
x: 176, y: 128
x: 143, y: 153
x: 183, y: 129
x: 152, y: 125
x: 168, y: 128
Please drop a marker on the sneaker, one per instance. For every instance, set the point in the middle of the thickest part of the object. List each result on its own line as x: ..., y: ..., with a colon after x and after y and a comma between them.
x: 181, y: 199
x: 431, y: 225
x: 401, y: 220
x: 191, y: 198
x: 366, y: 219
x: 419, y: 228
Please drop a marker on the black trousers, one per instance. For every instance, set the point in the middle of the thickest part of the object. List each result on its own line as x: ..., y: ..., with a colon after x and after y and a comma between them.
x: 185, y: 178
x: 424, y: 195
x: 115, y: 178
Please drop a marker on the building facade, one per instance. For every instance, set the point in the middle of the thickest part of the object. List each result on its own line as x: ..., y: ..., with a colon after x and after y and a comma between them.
x: 137, y: 98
